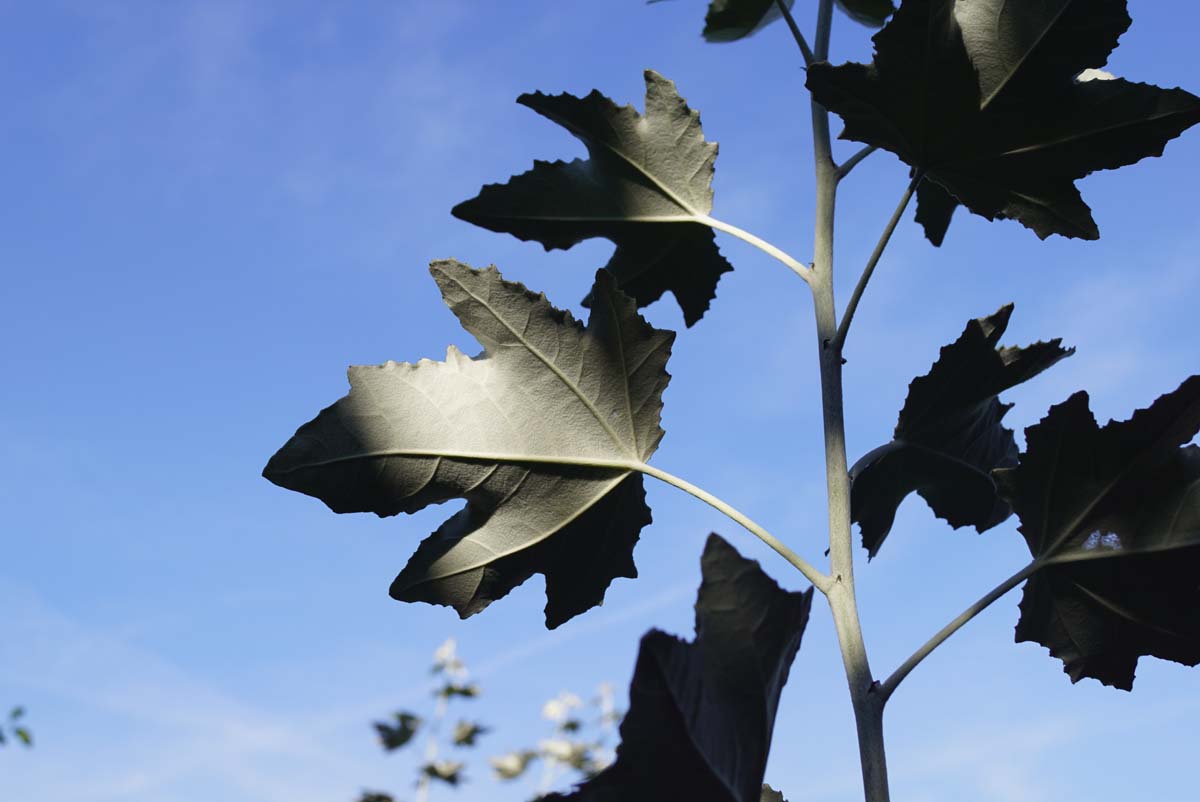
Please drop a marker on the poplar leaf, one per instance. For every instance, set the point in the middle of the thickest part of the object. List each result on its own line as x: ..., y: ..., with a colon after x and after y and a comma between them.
x: 872, y: 13
x: 949, y: 436
x: 730, y: 20
x: 647, y: 186
x: 984, y: 96
x: 542, y: 434
x: 701, y: 713
x: 466, y: 733
x: 394, y: 736
x: 769, y: 794
x: 1114, y: 513
x: 512, y: 765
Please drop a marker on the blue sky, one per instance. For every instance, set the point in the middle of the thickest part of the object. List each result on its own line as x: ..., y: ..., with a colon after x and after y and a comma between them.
x: 214, y: 207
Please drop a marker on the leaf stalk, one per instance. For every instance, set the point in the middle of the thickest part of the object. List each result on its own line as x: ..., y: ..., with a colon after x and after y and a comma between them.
x: 848, y: 165
x: 889, y: 685
x: 797, y: 34
x: 821, y: 581
x: 795, y: 265
x: 843, y: 329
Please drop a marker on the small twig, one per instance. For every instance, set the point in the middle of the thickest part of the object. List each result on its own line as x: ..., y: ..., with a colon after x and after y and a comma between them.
x: 821, y: 581
x: 796, y: 266
x: 809, y: 58
x: 889, y: 685
x: 852, y: 162
x: 840, y: 338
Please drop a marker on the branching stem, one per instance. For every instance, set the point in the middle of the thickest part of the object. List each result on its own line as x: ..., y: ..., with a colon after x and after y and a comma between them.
x: 797, y: 267
x: 840, y: 338
x: 889, y: 685
x: 852, y: 162
x: 797, y: 34
x: 821, y: 581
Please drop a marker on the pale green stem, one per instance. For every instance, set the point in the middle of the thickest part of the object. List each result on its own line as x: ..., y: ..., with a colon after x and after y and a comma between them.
x: 821, y: 581
x: 889, y: 685
x: 868, y: 706
x: 797, y: 34
x: 745, y: 236
x: 840, y: 338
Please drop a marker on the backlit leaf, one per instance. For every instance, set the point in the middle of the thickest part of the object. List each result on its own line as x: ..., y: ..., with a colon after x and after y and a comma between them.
x: 1115, y: 513
x: 769, y: 794
x: 949, y: 436
x: 512, y: 765
x: 701, y: 713
x: 447, y: 771
x: 465, y: 733
x: 647, y: 186
x: 541, y: 434
x: 983, y: 96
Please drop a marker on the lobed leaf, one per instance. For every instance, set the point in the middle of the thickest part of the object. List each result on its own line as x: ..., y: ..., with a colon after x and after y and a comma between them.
x: 647, y: 186
x: 949, y: 436
x: 730, y: 20
x: 769, y: 794
x: 394, y: 736
x: 541, y: 434
x: 1114, y: 513
x: 701, y: 713
x: 984, y: 97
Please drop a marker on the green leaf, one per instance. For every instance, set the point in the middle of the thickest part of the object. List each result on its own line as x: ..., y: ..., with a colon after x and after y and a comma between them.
x: 17, y: 714
x: 701, y: 713
x: 447, y: 771
x: 541, y: 434
x: 769, y: 794
x: 24, y: 736
x: 647, y: 186
x: 465, y: 733
x: 949, y: 436
x: 512, y: 765
x: 1114, y: 512
x: 730, y: 20
x: 872, y: 13
x: 394, y: 736
x: 984, y: 97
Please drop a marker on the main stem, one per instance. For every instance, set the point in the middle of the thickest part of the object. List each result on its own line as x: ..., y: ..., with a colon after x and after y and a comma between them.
x: 867, y: 703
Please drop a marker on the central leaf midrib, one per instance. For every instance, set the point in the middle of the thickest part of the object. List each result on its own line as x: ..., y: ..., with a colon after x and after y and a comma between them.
x: 984, y: 102
x: 588, y: 138
x: 562, y: 377
x: 524, y: 543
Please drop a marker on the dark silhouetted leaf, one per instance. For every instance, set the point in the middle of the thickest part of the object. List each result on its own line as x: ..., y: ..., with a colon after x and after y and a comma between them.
x: 730, y: 20
x: 983, y: 96
x: 465, y: 733
x: 16, y: 714
x: 453, y: 689
x: 949, y: 436
x: 769, y: 794
x: 1115, y: 512
x: 647, y: 186
x: 447, y: 771
x: 542, y: 434
x: 701, y: 714
x: 872, y: 13
x: 512, y: 765
x: 935, y: 208
x: 376, y: 796
x: 394, y: 736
